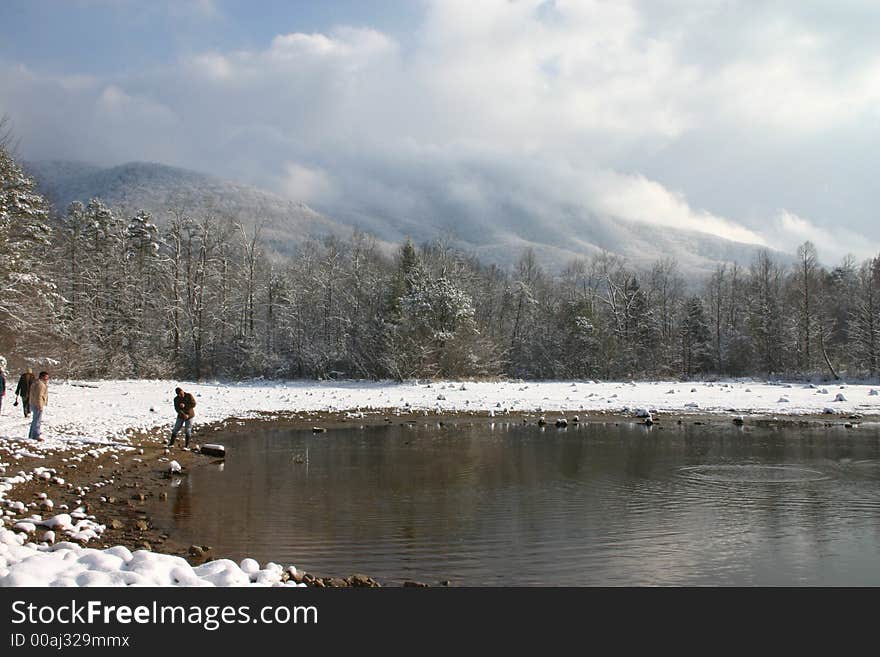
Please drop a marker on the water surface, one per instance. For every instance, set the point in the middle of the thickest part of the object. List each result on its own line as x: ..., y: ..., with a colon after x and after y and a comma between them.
x: 508, y: 504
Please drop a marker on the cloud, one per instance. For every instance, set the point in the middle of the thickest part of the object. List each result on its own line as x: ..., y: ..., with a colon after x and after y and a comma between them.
x: 305, y: 184
x: 789, y: 230
x: 638, y: 199
x: 705, y: 116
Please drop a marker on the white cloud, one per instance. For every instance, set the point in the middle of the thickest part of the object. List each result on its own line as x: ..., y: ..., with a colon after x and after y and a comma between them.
x: 536, y: 104
x: 788, y: 230
x: 305, y: 184
x: 638, y: 199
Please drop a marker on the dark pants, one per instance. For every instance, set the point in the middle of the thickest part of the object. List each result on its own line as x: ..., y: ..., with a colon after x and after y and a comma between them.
x: 25, y: 406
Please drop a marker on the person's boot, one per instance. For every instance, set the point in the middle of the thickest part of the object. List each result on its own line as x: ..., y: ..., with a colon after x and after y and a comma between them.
x: 186, y: 443
x: 171, y: 442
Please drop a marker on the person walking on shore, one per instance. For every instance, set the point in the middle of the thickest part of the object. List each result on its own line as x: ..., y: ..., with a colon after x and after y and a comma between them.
x: 2, y: 388
x: 184, y: 406
x: 38, y: 396
x: 25, y: 381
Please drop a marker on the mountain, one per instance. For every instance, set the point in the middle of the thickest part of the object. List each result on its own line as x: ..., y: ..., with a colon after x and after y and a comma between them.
x: 159, y: 189
x: 556, y: 238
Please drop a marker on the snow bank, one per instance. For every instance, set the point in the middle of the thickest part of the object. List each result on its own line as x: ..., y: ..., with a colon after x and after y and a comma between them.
x: 69, y: 564
x: 106, y: 411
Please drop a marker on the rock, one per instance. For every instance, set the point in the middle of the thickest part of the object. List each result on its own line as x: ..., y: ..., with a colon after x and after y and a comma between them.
x: 362, y: 581
x: 213, y: 450
x: 139, y: 497
x: 163, y: 496
x: 739, y: 421
x: 561, y: 423
x: 318, y: 430
x: 411, y: 584
x: 840, y: 397
x: 116, y: 524
x: 575, y: 419
x: 335, y: 582
x: 198, y: 550
x: 445, y: 582
x: 541, y: 421
x: 142, y: 525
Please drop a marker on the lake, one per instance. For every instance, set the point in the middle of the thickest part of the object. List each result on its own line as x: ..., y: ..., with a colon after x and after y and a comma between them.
x: 507, y: 504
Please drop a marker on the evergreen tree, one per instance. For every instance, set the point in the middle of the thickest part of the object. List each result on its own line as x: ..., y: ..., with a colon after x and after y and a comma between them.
x: 696, y: 339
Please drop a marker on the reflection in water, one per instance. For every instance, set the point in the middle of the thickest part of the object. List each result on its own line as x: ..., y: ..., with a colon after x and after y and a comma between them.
x: 507, y: 504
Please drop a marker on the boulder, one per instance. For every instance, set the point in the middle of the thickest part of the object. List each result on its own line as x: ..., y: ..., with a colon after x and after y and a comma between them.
x: 213, y: 450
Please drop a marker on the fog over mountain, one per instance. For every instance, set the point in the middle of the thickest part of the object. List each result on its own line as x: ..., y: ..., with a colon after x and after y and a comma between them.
x: 557, y: 234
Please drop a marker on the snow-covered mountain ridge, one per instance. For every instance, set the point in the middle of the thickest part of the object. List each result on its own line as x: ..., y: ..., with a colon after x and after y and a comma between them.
x: 556, y: 239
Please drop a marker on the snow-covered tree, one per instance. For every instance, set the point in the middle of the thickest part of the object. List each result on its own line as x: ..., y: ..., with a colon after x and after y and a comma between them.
x: 865, y: 319
x: 28, y: 292
x: 695, y: 339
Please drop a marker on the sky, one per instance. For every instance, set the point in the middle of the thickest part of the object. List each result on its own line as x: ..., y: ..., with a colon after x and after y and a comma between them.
x: 754, y: 121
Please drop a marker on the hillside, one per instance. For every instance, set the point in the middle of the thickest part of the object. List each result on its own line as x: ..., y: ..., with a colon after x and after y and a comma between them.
x: 160, y: 189
x: 556, y: 238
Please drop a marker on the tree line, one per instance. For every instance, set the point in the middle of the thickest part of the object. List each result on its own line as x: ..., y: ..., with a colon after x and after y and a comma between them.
x: 110, y: 293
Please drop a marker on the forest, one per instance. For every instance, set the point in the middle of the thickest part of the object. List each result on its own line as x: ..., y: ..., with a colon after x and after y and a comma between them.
x: 97, y: 292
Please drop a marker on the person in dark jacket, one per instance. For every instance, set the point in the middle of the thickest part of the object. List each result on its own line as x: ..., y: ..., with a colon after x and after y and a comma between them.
x: 185, y: 407
x: 2, y: 388
x: 23, y: 390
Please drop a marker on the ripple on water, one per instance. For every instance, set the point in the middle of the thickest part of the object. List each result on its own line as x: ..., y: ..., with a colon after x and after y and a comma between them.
x: 752, y: 474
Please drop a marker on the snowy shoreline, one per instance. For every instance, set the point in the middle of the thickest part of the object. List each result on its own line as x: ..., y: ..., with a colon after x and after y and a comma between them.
x: 101, y: 417
x: 111, y: 411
